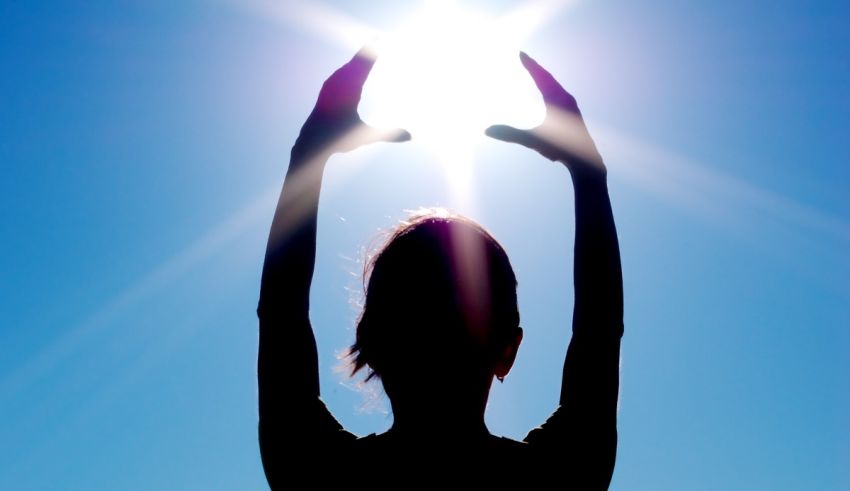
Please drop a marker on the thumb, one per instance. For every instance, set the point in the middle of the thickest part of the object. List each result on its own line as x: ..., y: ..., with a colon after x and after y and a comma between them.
x: 511, y: 135
x: 395, y: 135
x: 364, y: 134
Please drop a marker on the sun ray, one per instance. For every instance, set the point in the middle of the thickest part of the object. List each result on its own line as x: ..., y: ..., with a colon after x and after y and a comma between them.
x: 323, y: 21
x: 759, y: 217
x: 158, y: 278
x: 173, y: 268
x: 527, y: 18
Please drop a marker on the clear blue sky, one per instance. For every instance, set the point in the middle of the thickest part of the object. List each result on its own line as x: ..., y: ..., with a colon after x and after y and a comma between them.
x: 142, y: 144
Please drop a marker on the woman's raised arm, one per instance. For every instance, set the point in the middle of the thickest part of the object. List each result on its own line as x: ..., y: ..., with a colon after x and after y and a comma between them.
x: 584, y: 429
x: 292, y: 417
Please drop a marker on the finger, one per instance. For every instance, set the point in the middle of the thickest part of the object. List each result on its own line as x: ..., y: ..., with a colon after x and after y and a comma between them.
x: 510, y: 134
x: 546, y: 83
x: 343, y: 89
x: 357, y: 70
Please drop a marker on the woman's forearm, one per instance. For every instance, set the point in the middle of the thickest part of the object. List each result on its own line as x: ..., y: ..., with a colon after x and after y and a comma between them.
x: 598, y: 279
x: 287, y: 344
x: 291, y: 248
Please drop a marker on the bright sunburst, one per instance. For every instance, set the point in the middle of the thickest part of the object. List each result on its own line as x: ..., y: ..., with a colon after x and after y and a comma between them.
x: 446, y: 74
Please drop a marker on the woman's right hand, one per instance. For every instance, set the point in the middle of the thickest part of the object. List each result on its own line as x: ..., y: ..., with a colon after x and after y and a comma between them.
x: 562, y: 136
x: 334, y: 125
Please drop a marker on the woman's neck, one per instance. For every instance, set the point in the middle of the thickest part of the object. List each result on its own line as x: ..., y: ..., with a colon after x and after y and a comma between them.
x: 439, y: 423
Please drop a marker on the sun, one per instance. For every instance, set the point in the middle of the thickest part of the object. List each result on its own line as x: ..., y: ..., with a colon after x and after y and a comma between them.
x: 447, y: 73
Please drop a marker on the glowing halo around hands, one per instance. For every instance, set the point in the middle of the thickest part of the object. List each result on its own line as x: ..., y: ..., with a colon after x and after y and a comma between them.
x: 447, y: 74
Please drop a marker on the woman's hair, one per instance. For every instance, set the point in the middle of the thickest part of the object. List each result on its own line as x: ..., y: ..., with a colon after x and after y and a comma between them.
x: 440, y: 289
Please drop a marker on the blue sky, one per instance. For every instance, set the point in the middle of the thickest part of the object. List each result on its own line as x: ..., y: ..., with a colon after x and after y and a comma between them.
x: 142, y: 145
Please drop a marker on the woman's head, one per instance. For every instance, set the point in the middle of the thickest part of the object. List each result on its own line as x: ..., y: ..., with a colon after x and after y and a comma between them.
x: 441, y: 307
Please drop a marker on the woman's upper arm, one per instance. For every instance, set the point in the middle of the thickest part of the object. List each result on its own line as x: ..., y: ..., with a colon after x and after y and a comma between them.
x: 295, y: 427
x: 580, y: 438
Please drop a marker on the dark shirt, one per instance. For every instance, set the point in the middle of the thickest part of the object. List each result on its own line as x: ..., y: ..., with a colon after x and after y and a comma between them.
x: 574, y: 449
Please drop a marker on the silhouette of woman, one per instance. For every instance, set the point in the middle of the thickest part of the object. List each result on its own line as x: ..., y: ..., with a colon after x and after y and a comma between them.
x: 439, y: 322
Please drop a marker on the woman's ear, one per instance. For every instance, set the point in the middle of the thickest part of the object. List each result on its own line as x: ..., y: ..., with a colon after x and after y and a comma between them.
x: 506, y: 361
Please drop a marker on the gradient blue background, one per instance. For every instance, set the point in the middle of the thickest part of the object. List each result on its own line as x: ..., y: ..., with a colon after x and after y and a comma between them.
x: 142, y: 144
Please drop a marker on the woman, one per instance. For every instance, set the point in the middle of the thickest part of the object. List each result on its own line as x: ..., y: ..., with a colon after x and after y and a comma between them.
x: 440, y: 321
